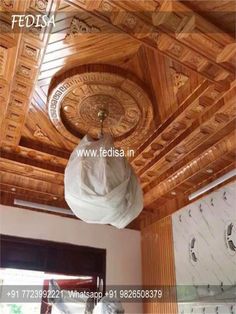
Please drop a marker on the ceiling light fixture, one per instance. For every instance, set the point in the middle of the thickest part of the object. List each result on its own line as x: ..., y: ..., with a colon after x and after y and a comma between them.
x: 44, y: 207
x: 102, y: 188
x: 209, y: 171
x: 213, y: 184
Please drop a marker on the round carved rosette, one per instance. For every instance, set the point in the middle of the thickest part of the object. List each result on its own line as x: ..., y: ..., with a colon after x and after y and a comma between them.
x: 76, y: 97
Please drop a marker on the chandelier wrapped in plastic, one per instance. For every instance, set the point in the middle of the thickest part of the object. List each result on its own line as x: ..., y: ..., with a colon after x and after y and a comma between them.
x: 101, y: 189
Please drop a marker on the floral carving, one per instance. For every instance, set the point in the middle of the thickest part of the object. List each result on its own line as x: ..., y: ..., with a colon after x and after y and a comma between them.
x: 130, y: 21
x: 79, y: 27
x: 179, y: 79
x: 24, y: 71
x: 31, y: 52
x: 75, y: 102
x: 6, y: 4
x: 154, y: 35
x: 40, y: 5
x: 38, y: 133
x: 106, y: 6
x: 176, y: 50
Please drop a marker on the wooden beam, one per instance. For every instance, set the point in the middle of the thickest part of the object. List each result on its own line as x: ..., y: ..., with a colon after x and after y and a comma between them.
x: 218, y: 150
x: 28, y: 194
x: 177, y: 126
x: 158, y: 210
x: 180, y: 46
x: 13, y: 167
x: 199, y: 132
x: 175, y: 118
x: 168, y: 169
x: 31, y: 184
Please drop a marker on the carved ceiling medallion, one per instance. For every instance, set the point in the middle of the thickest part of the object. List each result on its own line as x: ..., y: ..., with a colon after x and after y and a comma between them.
x: 75, y: 99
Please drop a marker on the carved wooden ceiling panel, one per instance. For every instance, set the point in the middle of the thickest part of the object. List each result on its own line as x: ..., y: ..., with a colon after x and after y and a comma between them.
x: 164, y: 70
x: 76, y: 97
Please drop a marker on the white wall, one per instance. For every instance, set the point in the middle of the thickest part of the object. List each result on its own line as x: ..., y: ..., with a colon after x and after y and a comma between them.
x: 207, y: 221
x: 123, y: 246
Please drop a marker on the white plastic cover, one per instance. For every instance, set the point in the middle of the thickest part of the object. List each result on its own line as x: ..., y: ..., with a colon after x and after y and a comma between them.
x: 108, y: 306
x: 65, y: 303
x: 101, y: 189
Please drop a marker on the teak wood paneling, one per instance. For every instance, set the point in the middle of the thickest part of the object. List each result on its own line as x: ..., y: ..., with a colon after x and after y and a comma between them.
x: 158, y: 265
x: 183, y: 53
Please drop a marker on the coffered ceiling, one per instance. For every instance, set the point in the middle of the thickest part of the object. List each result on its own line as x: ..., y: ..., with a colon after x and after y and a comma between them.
x: 166, y: 69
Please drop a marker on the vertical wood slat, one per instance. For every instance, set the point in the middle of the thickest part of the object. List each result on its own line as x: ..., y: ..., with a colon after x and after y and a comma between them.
x: 158, y: 263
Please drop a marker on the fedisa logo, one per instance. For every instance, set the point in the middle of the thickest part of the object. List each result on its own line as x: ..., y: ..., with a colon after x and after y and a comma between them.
x: 29, y: 20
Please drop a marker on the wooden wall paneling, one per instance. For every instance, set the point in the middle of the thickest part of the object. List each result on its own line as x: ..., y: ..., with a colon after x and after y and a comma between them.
x: 158, y: 267
x: 164, y: 207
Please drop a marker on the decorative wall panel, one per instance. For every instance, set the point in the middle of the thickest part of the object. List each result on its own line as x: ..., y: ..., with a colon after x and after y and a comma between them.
x: 205, y: 253
x: 158, y: 264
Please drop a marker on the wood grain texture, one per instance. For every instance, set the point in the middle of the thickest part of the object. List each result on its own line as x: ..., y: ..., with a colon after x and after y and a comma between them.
x: 158, y: 266
x: 220, y: 13
x: 179, y: 53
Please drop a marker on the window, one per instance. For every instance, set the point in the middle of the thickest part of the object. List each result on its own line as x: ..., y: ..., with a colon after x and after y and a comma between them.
x: 33, y: 263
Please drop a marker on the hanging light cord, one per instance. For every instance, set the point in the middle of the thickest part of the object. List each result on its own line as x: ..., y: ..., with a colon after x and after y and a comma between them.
x: 102, y: 114
x: 101, y: 126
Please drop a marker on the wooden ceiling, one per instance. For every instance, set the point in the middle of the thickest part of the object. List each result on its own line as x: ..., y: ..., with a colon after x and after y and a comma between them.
x: 181, y: 53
